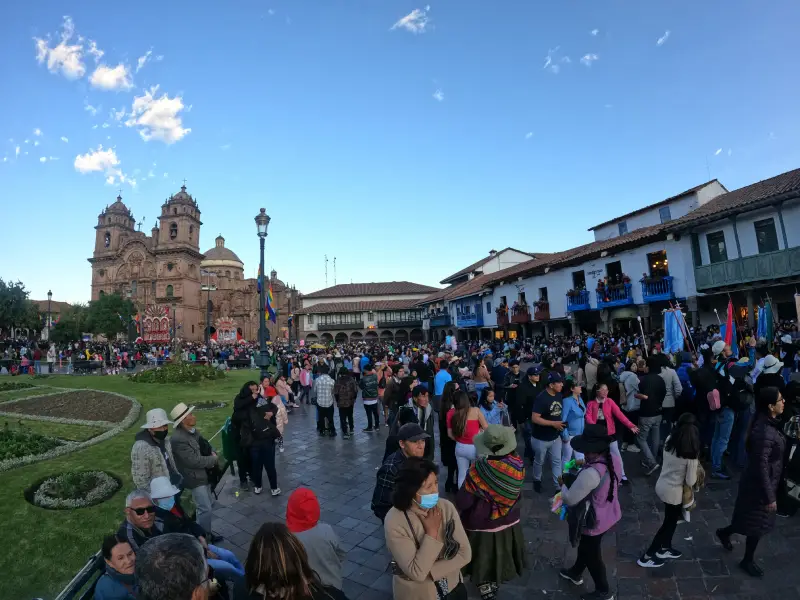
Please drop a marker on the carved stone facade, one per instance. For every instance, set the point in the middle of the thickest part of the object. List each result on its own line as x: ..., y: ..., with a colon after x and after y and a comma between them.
x: 167, y: 269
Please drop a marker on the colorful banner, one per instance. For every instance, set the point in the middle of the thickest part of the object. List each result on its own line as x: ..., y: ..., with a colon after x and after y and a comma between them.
x: 271, y: 314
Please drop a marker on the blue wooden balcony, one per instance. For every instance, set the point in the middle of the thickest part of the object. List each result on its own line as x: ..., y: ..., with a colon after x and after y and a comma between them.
x: 440, y: 320
x: 470, y: 319
x: 578, y: 302
x: 611, y: 297
x: 657, y: 291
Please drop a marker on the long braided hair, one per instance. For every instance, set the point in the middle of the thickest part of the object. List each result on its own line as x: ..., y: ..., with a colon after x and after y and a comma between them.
x: 608, y: 461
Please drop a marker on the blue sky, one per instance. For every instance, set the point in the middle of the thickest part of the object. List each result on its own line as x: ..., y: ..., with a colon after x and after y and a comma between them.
x: 406, y: 139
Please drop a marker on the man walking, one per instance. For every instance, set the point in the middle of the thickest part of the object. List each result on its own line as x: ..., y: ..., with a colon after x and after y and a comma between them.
x: 323, y: 392
x: 369, y: 393
x: 191, y: 462
x: 412, y: 440
x: 653, y: 391
x: 546, y: 431
x: 420, y: 402
x: 510, y: 385
x: 346, y: 391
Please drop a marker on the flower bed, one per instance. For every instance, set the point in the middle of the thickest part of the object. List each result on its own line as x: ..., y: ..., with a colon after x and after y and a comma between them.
x: 19, y: 442
x: 178, y: 373
x: 73, y: 490
x: 65, y: 448
x: 86, y: 405
x: 9, y: 386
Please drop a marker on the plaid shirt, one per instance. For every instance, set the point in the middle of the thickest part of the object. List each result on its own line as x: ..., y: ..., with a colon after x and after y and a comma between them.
x: 323, y: 390
x: 382, y: 496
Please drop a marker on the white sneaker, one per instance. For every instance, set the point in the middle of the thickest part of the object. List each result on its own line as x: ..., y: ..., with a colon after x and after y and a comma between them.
x: 280, y: 449
x: 257, y: 490
x: 633, y: 448
x: 276, y: 492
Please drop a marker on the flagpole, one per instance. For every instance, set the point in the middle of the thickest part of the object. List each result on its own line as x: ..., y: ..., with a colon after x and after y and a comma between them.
x: 644, y: 342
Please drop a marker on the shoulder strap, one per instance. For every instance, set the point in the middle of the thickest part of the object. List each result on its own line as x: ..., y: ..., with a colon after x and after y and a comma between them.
x: 413, y: 535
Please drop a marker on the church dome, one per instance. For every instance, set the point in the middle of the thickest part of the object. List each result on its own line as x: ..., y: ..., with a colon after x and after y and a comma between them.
x: 223, y: 261
x: 118, y: 208
x: 182, y: 197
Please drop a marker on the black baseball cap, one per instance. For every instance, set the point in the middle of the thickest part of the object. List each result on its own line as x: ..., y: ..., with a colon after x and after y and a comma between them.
x: 411, y: 432
x: 534, y: 370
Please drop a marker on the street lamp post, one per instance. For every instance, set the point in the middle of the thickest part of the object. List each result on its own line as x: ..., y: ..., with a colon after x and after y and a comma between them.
x: 262, y: 222
x: 49, y: 319
x: 208, y: 308
x: 174, y: 327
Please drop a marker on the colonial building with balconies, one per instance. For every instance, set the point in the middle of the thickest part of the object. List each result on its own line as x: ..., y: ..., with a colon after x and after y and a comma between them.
x: 356, y: 312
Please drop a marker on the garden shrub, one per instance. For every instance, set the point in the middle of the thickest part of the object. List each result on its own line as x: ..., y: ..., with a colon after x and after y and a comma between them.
x: 15, y: 443
x: 74, y: 489
x: 178, y: 373
x: 10, y: 386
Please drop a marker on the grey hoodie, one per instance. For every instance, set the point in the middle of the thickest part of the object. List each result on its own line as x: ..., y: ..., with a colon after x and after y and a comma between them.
x: 325, y: 554
x: 674, y: 387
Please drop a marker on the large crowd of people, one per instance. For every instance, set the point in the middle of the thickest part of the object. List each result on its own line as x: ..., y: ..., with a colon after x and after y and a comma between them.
x: 579, y: 404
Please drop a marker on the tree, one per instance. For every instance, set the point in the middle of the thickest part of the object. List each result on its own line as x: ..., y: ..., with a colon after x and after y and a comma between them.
x: 109, y: 315
x: 16, y: 310
x: 71, y: 324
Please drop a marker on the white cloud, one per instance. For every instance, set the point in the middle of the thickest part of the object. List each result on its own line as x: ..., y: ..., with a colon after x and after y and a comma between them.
x: 36, y: 142
x: 594, y: 31
x: 37, y: 132
x: 106, y: 125
x: 158, y: 118
x: 438, y: 95
x: 52, y: 158
x: 65, y: 58
x: 660, y: 41
x: 5, y: 159
x: 225, y: 147
x: 730, y: 151
x: 159, y: 58
x: 609, y: 106
x: 106, y: 78
x: 150, y: 174
x: 103, y: 161
x: 43, y: 159
x: 588, y: 59
x: 95, y: 51
x: 554, y: 60
x: 142, y: 61
x: 416, y: 21
x: 166, y: 175
x: 117, y: 114
x: 98, y: 160
x: 271, y: 12
x: 529, y: 135
x: 89, y: 108
x: 718, y: 152
x: 65, y: 139
x: 27, y: 142
x: 16, y: 152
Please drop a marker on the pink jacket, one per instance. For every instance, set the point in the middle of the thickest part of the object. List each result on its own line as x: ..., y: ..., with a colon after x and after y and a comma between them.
x: 610, y: 411
x: 283, y: 388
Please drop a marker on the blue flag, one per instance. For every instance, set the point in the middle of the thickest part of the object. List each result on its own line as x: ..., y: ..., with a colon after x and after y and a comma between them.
x: 673, y: 331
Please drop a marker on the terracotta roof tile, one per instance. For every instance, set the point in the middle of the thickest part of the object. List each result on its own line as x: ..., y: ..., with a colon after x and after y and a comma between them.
x: 737, y: 200
x: 476, y: 265
x: 344, y: 307
x: 656, y: 204
x: 55, y: 306
x: 387, y: 288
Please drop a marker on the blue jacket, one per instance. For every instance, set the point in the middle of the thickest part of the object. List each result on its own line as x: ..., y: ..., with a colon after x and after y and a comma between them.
x: 114, y: 586
x: 573, y: 413
x: 494, y: 416
x: 441, y: 378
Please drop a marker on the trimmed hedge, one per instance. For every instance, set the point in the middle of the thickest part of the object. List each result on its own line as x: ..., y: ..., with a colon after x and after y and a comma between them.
x: 178, y: 373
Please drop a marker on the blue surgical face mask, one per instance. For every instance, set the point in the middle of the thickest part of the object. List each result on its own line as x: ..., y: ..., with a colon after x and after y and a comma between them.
x: 427, y: 501
x: 166, y: 503
x: 193, y: 430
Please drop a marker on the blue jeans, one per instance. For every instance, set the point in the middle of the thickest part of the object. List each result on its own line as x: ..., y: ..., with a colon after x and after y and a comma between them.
x: 228, y: 567
x: 723, y: 424
x: 540, y: 449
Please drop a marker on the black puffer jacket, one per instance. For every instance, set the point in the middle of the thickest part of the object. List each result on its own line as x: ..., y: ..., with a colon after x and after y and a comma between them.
x: 759, y: 484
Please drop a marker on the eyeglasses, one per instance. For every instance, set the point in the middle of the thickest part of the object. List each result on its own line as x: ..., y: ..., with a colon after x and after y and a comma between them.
x: 145, y: 509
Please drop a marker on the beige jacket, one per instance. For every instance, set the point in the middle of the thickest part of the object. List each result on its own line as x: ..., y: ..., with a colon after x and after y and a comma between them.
x: 282, y: 416
x: 422, y: 566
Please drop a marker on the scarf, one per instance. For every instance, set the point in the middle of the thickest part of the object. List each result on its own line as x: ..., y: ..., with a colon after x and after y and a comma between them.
x: 498, y: 481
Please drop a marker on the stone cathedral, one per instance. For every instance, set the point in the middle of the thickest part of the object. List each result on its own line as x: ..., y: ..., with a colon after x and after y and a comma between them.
x: 170, y: 280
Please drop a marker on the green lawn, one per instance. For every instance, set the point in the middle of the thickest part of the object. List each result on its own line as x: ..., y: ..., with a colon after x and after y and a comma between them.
x: 50, y: 546
x: 19, y: 394
x: 75, y: 433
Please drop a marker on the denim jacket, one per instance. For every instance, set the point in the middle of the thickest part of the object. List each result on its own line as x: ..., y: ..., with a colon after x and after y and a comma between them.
x: 573, y: 414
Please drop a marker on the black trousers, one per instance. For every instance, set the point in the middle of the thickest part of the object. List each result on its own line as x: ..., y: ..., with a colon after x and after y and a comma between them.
x: 590, y: 557
x: 345, y: 418
x: 263, y: 458
x: 663, y: 538
x: 325, y: 421
x: 372, y: 413
x: 244, y: 463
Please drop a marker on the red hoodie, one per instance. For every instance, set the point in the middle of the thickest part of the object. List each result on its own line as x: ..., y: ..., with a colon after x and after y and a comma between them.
x: 302, y: 510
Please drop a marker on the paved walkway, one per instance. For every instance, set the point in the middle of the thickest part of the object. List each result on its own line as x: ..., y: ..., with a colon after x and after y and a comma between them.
x: 342, y: 474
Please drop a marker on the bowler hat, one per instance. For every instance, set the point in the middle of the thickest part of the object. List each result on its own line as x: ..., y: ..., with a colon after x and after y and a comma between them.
x: 594, y: 440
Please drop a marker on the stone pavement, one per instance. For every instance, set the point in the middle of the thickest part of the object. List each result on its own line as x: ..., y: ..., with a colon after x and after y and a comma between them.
x: 342, y: 474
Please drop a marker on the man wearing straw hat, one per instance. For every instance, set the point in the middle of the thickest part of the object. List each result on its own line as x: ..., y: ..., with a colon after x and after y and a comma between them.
x: 151, y: 455
x: 191, y: 463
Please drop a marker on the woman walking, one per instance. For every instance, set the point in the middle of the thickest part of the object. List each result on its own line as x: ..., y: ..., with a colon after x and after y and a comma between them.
x: 425, y: 537
x: 573, y: 414
x: 603, y: 411
x: 464, y: 422
x: 598, y: 480
x: 756, y: 504
x: 679, y: 470
x: 447, y: 446
x: 488, y: 504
